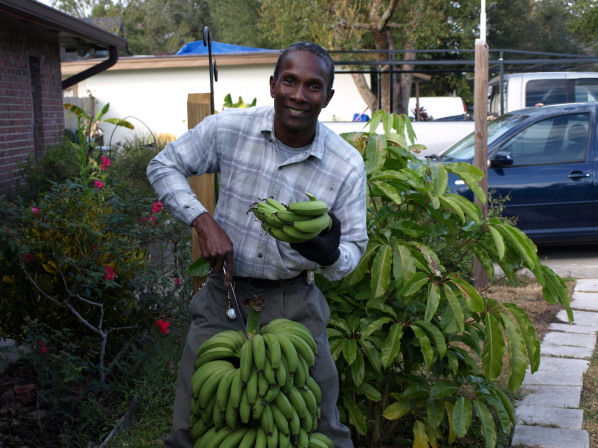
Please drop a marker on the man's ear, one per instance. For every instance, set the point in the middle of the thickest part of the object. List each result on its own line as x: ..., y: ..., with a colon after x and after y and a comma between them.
x: 328, y: 97
x: 272, y: 83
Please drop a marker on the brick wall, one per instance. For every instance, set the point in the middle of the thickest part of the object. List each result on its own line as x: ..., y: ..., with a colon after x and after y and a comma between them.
x: 31, y: 112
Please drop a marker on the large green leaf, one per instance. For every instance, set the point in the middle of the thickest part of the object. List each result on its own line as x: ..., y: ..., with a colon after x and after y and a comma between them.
x: 415, y: 283
x: 454, y: 206
x: 532, y: 344
x: 455, y: 306
x: 373, y: 326
x: 424, y: 345
x: 358, y: 369
x: 420, y: 435
x: 363, y: 267
x: 439, y: 178
x: 432, y: 302
x: 350, y: 350
x: 443, y: 389
x: 471, y: 210
x: 499, y: 242
x: 517, y: 353
x: 435, y: 412
x: 375, y: 153
x: 372, y: 353
x: 370, y: 392
x: 494, y: 348
x: 389, y: 191
x: 449, y: 412
x: 501, y: 412
x: 397, y: 410
x: 555, y: 291
x: 403, y: 265
x: 524, y: 246
x: 462, y: 413
x: 486, y: 423
x: 356, y: 417
x: 392, y: 345
x: 434, y: 332
x: 475, y: 302
x: 380, y: 272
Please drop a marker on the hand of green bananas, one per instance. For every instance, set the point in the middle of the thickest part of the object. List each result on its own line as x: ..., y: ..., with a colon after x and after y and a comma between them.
x: 256, y: 390
x: 293, y: 223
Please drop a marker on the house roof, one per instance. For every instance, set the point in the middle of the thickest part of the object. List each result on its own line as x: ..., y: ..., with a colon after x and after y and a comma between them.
x: 36, y: 19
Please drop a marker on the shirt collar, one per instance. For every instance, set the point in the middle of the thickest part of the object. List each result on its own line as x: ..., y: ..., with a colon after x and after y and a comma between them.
x: 317, y: 148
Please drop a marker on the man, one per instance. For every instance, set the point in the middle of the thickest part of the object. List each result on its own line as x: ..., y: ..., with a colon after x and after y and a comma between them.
x: 279, y: 152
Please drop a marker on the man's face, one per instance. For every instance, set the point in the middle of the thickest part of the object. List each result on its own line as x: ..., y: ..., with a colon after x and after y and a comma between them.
x: 300, y: 93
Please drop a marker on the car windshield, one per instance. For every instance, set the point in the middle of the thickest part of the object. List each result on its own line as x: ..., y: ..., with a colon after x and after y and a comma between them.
x: 463, y: 150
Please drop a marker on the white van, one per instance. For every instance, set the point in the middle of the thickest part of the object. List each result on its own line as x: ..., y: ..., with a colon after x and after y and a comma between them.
x: 521, y: 90
x: 436, y: 107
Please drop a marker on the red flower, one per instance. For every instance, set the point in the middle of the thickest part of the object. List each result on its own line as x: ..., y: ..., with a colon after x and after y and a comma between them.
x: 105, y: 163
x: 109, y: 273
x: 98, y: 184
x: 27, y: 258
x: 35, y: 210
x: 163, y: 325
x: 43, y: 349
x: 177, y: 280
x: 157, y: 207
x: 152, y: 219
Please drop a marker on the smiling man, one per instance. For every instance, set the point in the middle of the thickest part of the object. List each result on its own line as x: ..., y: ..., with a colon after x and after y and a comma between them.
x: 281, y: 152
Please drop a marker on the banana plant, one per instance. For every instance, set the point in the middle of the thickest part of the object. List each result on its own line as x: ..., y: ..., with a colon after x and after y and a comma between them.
x: 416, y: 344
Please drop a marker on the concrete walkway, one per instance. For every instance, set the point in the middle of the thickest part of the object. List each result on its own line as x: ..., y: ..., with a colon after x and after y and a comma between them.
x: 548, y: 416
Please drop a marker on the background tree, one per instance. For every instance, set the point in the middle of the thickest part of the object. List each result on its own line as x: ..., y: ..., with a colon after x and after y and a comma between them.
x: 584, y: 23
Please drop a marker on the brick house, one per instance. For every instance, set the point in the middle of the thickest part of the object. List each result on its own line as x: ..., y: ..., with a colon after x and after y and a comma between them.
x: 32, y: 36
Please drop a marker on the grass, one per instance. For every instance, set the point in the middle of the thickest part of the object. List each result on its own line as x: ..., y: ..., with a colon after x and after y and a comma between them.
x: 589, y: 400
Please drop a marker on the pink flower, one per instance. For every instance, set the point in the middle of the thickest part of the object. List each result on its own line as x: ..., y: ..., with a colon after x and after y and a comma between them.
x: 152, y: 219
x: 98, y: 184
x: 109, y: 273
x: 27, y: 258
x: 43, y: 348
x: 105, y: 163
x: 177, y: 280
x: 163, y: 325
x: 35, y: 210
x: 157, y: 207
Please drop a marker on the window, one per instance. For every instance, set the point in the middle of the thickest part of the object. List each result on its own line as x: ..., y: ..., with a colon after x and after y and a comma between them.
x: 560, y: 139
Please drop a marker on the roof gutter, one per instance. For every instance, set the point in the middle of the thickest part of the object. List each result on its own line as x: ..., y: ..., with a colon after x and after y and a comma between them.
x: 93, y: 70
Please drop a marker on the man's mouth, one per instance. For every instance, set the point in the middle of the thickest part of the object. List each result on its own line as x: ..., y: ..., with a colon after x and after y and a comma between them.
x: 296, y: 112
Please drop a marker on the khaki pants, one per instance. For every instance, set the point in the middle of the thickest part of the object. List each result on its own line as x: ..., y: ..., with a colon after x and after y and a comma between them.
x: 296, y: 300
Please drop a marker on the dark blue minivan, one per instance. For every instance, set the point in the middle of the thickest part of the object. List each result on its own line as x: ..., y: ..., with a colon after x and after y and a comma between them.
x: 543, y: 161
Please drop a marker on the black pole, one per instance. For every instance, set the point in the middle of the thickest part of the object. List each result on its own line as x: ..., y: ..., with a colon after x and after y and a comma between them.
x: 207, y: 41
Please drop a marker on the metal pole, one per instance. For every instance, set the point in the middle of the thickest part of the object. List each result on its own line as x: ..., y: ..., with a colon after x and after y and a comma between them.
x: 207, y: 41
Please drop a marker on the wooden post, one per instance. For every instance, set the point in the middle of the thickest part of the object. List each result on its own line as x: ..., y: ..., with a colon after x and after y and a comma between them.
x: 481, y: 139
x: 204, y: 186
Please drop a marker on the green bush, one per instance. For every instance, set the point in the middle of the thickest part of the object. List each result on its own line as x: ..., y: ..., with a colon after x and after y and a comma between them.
x: 418, y: 348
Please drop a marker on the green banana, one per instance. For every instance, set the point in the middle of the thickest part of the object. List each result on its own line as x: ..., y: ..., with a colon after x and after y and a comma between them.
x: 297, y: 401
x: 289, y: 352
x: 212, y: 438
x: 249, y: 438
x: 257, y: 409
x: 246, y: 361
x: 234, y: 438
x: 280, y: 420
x: 259, y: 351
x: 268, y: 373
x: 198, y: 429
x: 309, y: 399
x: 244, y: 408
x: 282, y: 373
x: 290, y: 217
x: 302, y: 439
x: 316, y: 443
x: 218, y: 417
x: 262, y: 384
x: 231, y: 415
x: 226, y: 338
x: 317, y: 224
x: 280, y: 235
x: 267, y: 419
x: 251, y: 386
x: 294, y: 424
x: 284, y: 440
x: 285, y: 326
x: 205, y: 414
x: 297, y: 235
x: 272, y: 440
x: 271, y: 393
x: 236, y: 388
x: 273, y: 349
x: 282, y: 402
x: 311, y: 196
x: 260, y: 438
x: 301, y: 373
x: 275, y: 203
x: 303, y: 349
x: 204, y: 372
x: 308, y: 208
x: 214, y: 354
x: 324, y: 438
x: 314, y: 388
x: 209, y: 388
x: 223, y: 391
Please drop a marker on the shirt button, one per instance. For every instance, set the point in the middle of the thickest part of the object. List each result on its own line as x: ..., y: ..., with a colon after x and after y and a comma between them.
x: 260, y: 255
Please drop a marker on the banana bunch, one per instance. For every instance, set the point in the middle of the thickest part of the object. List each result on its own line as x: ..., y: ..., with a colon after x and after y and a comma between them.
x: 256, y: 390
x: 295, y: 222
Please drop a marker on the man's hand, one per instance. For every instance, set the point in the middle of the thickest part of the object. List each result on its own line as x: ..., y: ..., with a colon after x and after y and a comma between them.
x: 214, y: 245
x: 322, y: 249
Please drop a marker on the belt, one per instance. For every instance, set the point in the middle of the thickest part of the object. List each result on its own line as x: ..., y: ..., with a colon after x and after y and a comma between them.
x: 266, y: 283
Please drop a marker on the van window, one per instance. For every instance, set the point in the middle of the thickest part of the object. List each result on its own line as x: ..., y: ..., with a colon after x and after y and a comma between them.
x: 545, y: 91
x: 586, y: 89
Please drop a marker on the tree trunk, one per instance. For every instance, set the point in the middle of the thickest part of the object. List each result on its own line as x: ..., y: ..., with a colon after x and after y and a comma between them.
x: 370, y: 98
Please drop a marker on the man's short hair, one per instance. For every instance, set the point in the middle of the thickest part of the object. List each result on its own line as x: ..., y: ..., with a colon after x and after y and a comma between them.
x: 310, y: 48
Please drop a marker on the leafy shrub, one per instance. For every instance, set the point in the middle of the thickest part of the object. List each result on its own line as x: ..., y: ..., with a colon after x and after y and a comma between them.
x: 418, y: 348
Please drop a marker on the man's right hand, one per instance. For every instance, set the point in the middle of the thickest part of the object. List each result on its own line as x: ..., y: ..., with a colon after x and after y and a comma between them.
x: 214, y: 245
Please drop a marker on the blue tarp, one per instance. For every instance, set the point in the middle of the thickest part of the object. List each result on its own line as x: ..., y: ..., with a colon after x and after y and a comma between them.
x: 198, y: 47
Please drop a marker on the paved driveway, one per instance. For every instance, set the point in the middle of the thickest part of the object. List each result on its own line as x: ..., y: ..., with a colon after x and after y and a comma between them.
x: 578, y: 261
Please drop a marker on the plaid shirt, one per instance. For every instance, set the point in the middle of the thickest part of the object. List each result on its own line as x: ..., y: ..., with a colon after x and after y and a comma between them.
x: 238, y: 144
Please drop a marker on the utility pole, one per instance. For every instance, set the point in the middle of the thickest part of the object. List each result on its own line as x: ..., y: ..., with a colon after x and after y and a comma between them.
x: 480, y: 105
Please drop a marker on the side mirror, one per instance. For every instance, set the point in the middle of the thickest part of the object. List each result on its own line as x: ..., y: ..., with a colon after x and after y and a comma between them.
x: 501, y: 159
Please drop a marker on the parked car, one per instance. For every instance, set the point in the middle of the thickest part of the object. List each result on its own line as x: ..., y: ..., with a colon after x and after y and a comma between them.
x: 543, y: 161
